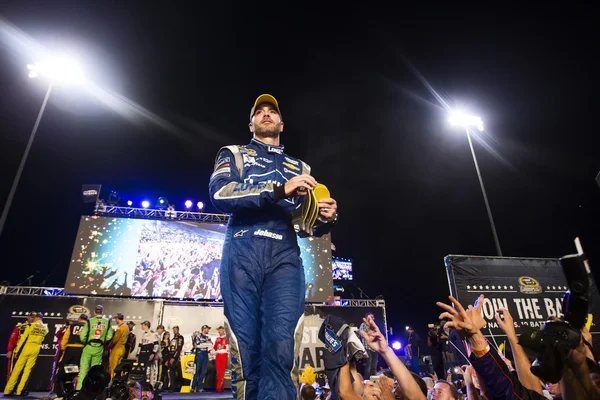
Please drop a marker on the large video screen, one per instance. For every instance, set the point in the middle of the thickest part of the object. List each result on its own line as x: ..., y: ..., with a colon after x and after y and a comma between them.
x: 169, y: 259
x: 341, y: 269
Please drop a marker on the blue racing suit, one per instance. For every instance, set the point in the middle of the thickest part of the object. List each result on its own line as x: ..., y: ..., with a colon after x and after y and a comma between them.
x: 262, y: 277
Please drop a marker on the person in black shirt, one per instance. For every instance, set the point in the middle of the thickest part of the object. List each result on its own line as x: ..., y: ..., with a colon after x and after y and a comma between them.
x: 131, y: 340
x: 175, y: 349
x: 435, y: 337
x: 413, y: 344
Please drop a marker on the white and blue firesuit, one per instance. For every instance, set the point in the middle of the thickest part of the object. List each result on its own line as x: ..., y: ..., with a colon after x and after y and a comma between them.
x: 262, y: 278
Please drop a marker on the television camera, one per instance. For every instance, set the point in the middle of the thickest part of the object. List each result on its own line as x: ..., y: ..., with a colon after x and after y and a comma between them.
x: 555, y: 339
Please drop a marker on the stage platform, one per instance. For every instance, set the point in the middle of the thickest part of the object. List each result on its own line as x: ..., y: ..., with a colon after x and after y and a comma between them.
x: 171, y: 396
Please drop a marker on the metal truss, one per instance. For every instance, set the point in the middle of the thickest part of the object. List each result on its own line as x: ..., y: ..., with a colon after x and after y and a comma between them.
x: 365, y: 303
x: 32, y: 291
x: 350, y: 303
x: 168, y: 215
x: 60, y: 292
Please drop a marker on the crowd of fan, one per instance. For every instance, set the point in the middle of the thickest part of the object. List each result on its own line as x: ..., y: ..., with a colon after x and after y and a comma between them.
x: 175, y: 263
x: 486, y: 373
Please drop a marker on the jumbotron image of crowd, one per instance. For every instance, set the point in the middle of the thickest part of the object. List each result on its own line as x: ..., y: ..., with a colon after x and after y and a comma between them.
x: 176, y: 263
x: 171, y: 260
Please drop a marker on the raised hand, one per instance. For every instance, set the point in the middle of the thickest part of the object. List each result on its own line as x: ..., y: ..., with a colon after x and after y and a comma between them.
x: 506, y: 322
x: 467, y: 322
x: 374, y: 337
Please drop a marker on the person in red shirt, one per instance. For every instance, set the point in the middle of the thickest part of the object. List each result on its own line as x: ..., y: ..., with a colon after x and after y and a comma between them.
x: 222, y: 348
x: 12, y: 342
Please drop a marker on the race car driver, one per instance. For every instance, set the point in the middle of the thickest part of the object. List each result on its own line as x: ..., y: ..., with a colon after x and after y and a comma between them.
x: 221, y: 345
x: 262, y: 277
x: 148, y: 348
x: 16, y: 333
x: 71, y: 347
x: 117, y: 345
x: 95, y: 334
x: 28, y: 349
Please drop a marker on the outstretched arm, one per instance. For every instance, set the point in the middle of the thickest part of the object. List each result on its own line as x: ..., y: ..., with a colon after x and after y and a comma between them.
x: 377, y: 342
x: 522, y: 364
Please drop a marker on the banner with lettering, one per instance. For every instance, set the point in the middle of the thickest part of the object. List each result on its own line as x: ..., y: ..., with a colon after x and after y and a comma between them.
x: 530, y: 288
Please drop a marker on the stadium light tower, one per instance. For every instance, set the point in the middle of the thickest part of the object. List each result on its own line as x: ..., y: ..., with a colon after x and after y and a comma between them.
x: 60, y: 70
x: 459, y: 118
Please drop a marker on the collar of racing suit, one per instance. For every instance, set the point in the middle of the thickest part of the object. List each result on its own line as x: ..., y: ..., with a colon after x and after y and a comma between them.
x: 269, y: 148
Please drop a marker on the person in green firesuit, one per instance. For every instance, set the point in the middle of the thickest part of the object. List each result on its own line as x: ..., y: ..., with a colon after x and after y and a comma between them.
x: 94, y: 335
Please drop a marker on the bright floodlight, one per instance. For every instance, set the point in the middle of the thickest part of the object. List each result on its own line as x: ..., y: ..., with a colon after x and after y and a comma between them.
x: 407, y: 327
x: 200, y: 205
x: 188, y: 203
x: 145, y: 204
x: 459, y: 118
x: 63, y: 69
x: 129, y: 203
x: 396, y: 345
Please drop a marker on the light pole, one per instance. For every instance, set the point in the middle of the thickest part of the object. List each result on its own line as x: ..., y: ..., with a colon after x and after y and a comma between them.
x: 55, y: 70
x: 467, y: 121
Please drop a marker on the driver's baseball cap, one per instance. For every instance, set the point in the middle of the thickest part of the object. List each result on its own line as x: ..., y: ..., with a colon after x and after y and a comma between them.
x: 265, y: 98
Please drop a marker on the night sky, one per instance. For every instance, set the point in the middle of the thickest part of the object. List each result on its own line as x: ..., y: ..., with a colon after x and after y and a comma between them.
x: 354, y: 108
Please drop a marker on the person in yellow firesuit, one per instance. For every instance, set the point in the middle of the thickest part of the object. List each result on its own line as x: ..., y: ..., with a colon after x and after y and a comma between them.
x: 28, y: 349
x: 117, y: 345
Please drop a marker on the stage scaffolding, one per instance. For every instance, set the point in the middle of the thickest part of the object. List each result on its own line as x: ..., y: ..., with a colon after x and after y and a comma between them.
x: 164, y: 214
x: 60, y: 292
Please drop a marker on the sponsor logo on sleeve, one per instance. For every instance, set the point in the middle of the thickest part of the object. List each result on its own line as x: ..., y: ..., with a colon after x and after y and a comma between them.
x: 291, y: 161
x: 291, y: 166
x: 222, y: 161
x: 222, y: 171
x: 287, y: 171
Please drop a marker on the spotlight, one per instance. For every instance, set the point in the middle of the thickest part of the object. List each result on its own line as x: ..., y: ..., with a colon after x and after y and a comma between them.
x: 188, y: 203
x: 162, y: 202
x: 129, y: 203
x: 145, y: 204
x: 200, y: 205
x: 396, y: 345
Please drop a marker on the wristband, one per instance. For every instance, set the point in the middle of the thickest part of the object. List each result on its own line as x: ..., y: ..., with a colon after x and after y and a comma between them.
x: 481, y: 353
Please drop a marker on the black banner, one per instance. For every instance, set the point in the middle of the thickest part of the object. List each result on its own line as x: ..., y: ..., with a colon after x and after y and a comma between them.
x: 90, y: 193
x: 530, y: 288
x: 55, y: 310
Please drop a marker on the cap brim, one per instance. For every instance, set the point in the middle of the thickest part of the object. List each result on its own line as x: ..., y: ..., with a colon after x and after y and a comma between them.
x: 265, y: 98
